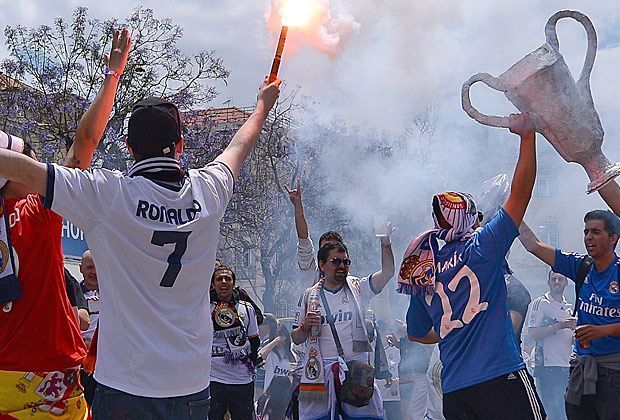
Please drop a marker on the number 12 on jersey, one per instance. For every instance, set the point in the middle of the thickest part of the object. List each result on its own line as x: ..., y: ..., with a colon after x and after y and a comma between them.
x: 163, y: 237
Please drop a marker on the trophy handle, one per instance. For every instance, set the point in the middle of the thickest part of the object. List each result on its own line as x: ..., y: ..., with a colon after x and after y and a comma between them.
x: 552, y: 39
x: 492, y: 82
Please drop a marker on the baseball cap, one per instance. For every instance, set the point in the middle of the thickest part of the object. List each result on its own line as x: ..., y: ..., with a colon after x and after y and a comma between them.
x: 154, y: 127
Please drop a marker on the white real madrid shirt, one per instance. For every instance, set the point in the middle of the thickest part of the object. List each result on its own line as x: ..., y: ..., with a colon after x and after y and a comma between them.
x: 227, y: 373
x: 557, y: 347
x: 154, y: 248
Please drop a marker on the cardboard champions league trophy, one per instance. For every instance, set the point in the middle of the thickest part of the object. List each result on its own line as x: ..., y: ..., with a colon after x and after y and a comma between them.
x: 561, y: 109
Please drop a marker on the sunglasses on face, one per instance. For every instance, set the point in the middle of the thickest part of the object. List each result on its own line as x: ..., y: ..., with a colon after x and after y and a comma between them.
x: 338, y: 261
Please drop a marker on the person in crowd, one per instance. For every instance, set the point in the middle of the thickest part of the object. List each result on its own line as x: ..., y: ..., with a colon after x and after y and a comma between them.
x: 39, y: 377
x: 595, y: 369
x: 309, y: 272
x: 390, y: 386
x: 519, y: 299
x: 412, y: 381
x: 156, y: 228
x: 276, y: 402
x: 330, y: 321
x: 77, y: 301
x: 459, y: 298
x: 235, y: 349
x: 89, y: 288
x: 551, y: 325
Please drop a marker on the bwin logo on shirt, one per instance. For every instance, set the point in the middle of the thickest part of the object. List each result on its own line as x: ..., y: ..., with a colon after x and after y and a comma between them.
x: 339, y: 317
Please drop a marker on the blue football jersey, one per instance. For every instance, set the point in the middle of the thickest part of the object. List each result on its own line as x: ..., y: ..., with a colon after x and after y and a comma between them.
x: 469, y: 310
x: 599, y: 300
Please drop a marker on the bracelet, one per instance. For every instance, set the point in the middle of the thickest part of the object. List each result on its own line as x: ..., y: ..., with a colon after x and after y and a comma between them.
x: 109, y: 72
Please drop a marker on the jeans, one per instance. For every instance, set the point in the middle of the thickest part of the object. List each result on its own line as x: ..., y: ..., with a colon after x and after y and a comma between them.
x: 114, y: 404
x: 238, y: 400
x: 604, y: 404
x: 551, y: 385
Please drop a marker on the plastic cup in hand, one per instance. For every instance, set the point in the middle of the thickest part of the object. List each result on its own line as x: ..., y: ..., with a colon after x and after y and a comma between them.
x: 381, y: 226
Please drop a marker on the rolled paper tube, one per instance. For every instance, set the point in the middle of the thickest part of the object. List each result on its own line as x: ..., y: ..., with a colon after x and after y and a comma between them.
x: 275, y: 66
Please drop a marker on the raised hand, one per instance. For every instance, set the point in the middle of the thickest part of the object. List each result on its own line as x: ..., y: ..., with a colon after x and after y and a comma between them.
x: 522, y: 125
x: 121, y: 44
x: 295, y: 194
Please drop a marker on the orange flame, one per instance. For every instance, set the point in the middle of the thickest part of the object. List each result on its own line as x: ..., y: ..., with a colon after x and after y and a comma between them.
x: 297, y: 13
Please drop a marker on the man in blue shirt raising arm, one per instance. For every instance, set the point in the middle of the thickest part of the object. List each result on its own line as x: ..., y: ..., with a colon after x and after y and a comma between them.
x: 595, y: 367
x: 459, y: 299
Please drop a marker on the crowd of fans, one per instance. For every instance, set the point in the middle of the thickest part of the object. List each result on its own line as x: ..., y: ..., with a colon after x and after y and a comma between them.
x: 146, y: 335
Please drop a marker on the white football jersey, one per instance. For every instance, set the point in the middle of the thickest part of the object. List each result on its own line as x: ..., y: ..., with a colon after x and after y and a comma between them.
x: 154, y: 247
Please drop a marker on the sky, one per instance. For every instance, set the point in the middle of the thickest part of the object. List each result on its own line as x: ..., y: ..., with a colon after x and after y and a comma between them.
x: 400, y: 56
x: 393, y: 58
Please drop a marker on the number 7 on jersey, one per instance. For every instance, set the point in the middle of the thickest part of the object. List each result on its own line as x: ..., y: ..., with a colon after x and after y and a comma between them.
x: 163, y: 237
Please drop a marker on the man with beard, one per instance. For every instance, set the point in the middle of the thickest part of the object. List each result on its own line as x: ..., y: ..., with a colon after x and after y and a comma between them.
x: 330, y: 321
x: 234, y: 351
x: 595, y: 369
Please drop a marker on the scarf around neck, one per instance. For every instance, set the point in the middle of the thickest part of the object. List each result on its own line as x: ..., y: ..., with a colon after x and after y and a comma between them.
x: 164, y: 169
x: 312, y: 387
x: 417, y: 271
x: 228, y: 325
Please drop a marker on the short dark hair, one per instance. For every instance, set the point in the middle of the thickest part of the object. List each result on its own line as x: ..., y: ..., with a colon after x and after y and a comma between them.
x: 328, y: 247
x: 154, y: 128
x: 612, y: 223
x: 331, y: 236
x: 223, y: 268
x: 551, y: 272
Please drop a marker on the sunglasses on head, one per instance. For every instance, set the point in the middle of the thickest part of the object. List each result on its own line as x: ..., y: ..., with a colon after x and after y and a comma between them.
x: 338, y: 261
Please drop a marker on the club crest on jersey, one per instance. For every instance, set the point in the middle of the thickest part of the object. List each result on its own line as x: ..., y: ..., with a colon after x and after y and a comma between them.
x: 225, y: 317
x: 4, y: 256
x: 613, y: 287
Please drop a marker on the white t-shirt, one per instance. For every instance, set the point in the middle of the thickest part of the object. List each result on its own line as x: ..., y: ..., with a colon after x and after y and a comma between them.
x: 238, y: 374
x: 155, y: 328
x: 342, y: 307
x: 557, y: 347
x: 276, y: 366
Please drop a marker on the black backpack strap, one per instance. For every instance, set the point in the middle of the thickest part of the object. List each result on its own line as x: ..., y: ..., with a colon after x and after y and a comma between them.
x: 330, y: 320
x: 582, y: 272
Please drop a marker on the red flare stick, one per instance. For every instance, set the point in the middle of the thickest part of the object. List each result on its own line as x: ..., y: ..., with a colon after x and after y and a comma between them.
x: 275, y: 66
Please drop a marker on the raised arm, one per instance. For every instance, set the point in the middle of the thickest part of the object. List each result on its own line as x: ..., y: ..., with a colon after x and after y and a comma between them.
x: 300, y: 219
x: 381, y: 278
x: 94, y: 121
x: 19, y: 168
x: 525, y: 171
x: 544, y: 252
x: 244, y: 140
x: 610, y: 193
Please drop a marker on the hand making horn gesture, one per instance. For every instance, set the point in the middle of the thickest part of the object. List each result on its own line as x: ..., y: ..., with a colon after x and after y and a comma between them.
x: 117, y: 59
x: 295, y: 194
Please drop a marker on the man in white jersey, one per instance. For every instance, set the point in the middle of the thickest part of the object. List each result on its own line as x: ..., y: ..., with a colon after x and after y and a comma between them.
x: 157, y: 231
x: 346, y: 300
x: 551, y: 325
x: 235, y: 349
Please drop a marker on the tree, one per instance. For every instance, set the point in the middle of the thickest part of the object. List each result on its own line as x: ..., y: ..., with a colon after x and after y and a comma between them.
x: 258, y: 219
x: 55, y: 71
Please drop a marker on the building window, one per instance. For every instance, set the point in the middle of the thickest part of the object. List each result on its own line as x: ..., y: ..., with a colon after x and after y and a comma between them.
x: 548, y: 232
x: 547, y: 182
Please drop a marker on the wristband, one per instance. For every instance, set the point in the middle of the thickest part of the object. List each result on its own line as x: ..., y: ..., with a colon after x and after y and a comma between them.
x: 109, y: 72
